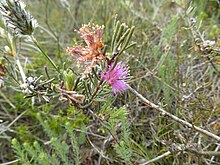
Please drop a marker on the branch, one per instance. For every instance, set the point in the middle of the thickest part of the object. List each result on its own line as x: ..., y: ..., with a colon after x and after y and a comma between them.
x: 204, y: 153
x: 11, y: 162
x: 9, y: 125
x: 157, y: 158
x: 181, y: 121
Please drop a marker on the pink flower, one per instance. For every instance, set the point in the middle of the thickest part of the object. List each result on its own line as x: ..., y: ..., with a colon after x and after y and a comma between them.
x: 116, y: 77
x: 92, y: 35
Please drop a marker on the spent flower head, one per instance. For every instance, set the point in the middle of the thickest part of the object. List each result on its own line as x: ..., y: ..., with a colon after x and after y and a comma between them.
x: 116, y: 77
x: 29, y: 84
x: 17, y: 18
x: 92, y: 35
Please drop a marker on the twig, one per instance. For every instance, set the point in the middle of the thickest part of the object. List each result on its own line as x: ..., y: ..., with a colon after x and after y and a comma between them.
x: 108, y: 140
x: 157, y: 158
x: 201, y: 153
x: 97, y: 149
x: 183, y: 122
x: 205, y: 153
x: 42, y: 51
x: 11, y: 162
x: 217, y: 148
x: 9, y: 125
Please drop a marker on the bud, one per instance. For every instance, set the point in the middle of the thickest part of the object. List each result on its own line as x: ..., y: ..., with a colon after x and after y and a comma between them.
x: 14, y: 142
x: 69, y: 78
x: 2, y: 61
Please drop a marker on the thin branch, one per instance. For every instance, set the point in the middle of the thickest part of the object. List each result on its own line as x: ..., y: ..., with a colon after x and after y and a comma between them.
x: 157, y: 158
x: 97, y: 149
x: 11, y: 162
x: 18, y: 117
x: 204, y: 153
x: 107, y: 141
x: 181, y: 121
x: 217, y: 148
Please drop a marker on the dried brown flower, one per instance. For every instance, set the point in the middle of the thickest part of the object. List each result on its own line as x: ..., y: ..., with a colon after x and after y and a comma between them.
x: 92, y: 35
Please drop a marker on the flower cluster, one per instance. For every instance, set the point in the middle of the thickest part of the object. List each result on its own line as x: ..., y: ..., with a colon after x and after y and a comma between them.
x: 115, y: 74
x: 80, y: 91
x: 92, y: 35
x: 116, y: 77
x: 29, y: 85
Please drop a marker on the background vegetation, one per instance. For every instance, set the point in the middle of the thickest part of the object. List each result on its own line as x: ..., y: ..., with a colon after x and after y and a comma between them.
x: 175, y: 64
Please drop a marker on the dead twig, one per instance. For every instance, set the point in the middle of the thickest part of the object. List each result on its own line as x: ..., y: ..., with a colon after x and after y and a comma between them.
x: 181, y: 121
x: 157, y: 158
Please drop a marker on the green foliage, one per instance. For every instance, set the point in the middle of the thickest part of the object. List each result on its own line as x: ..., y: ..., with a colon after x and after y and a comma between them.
x: 57, y: 150
x: 24, y: 134
x: 123, y: 148
x: 112, y: 116
x: 37, y: 154
x: 115, y: 119
x: 170, y: 30
x: 61, y: 148
x: 20, y: 152
x: 33, y: 154
x: 74, y: 142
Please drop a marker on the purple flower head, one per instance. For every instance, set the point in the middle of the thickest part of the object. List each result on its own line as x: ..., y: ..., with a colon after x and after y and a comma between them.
x: 116, y: 77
